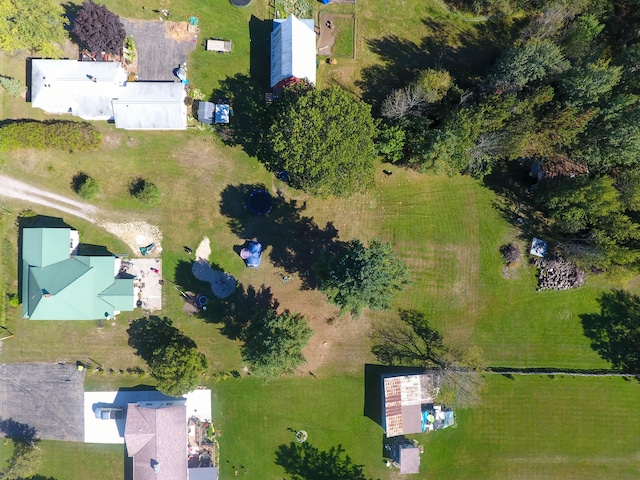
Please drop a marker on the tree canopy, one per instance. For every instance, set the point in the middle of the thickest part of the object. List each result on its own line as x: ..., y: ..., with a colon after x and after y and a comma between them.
x: 411, y: 341
x: 274, y: 342
x: 37, y: 25
x: 358, y: 277
x: 324, y: 140
x: 564, y: 86
x: 173, y: 358
x: 99, y: 29
x: 177, y: 368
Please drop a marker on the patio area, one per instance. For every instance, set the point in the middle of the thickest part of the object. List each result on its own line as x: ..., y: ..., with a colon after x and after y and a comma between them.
x: 148, y: 281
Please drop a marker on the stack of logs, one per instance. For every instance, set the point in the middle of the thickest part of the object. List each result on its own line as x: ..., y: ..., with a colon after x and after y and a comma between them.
x: 555, y: 273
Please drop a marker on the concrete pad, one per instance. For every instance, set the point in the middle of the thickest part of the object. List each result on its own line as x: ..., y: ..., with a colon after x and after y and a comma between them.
x: 147, y: 288
x: 101, y: 431
x: 198, y: 404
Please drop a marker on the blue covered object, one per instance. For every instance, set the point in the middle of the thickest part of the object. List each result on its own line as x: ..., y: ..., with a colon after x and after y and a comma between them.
x: 260, y: 202
x: 252, y: 254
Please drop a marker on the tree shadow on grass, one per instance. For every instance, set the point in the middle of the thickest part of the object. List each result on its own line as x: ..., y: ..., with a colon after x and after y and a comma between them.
x: 511, y: 181
x: 234, y: 312
x: 238, y: 310
x: 615, y: 331
x: 250, y: 118
x: 152, y: 333
x: 294, y: 241
x: 303, y: 461
x: 246, y: 94
x: 467, y: 54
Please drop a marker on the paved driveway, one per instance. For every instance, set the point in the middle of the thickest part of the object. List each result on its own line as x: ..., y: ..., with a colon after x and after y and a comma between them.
x: 47, y: 397
x: 158, y: 54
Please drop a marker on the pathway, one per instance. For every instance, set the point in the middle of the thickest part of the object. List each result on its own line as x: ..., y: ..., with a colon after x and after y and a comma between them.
x: 23, y: 191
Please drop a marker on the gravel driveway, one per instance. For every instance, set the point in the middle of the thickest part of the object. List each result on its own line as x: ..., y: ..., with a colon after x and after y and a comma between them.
x: 158, y: 54
x: 23, y: 191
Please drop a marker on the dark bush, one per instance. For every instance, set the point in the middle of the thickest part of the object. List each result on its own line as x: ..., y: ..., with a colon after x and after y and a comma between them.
x: 146, y: 192
x: 50, y: 134
x: 99, y: 29
x: 84, y: 185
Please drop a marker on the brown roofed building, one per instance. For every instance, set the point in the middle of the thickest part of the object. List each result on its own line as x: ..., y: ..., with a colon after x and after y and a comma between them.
x: 403, y: 399
x: 156, y: 438
x: 557, y: 166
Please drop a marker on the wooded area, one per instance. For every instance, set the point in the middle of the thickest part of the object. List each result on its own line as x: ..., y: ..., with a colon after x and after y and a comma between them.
x: 566, y: 88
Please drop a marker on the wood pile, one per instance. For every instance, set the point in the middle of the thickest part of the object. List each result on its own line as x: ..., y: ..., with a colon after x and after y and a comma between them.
x: 555, y: 273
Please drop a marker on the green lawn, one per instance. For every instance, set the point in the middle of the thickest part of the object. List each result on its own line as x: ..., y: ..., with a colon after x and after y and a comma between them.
x: 253, y: 420
x: 447, y: 230
x: 343, y: 46
x: 78, y: 461
x: 450, y: 235
x: 540, y: 427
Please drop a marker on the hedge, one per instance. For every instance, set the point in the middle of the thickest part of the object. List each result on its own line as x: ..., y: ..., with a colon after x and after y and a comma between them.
x: 50, y: 134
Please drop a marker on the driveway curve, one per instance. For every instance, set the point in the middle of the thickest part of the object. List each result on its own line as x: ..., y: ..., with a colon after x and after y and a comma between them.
x: 23, y: 191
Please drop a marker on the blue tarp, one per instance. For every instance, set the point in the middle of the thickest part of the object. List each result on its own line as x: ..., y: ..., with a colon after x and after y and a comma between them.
x: 252, y: 254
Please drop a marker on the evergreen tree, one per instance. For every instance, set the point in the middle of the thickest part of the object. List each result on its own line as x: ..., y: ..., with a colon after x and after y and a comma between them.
x: 359, y: 277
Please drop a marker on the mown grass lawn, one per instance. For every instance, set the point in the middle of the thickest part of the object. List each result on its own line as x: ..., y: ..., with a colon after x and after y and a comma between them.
x: 541, y: 427
x: 77, y: 461
x: 254, y: 419
x: 447, y: 230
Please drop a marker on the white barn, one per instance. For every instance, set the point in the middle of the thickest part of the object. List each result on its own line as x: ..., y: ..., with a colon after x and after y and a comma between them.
x: 293, y: 51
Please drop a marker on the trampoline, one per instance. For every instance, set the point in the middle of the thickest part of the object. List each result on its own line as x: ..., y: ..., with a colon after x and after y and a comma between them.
x: 240, y: 3
x: 260, y: 202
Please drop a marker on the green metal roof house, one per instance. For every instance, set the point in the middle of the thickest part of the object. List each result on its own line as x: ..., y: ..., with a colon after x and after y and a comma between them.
x: 59, y: 285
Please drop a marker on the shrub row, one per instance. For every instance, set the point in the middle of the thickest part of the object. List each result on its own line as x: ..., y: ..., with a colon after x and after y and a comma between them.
x: 50, y: 134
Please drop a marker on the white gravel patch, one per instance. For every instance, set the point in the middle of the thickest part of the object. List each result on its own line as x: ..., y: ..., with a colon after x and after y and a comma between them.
x: 223, y: 284
x: 136, y: 235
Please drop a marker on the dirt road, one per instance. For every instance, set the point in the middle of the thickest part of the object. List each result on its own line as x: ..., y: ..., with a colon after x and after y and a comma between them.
x: 22, y: 191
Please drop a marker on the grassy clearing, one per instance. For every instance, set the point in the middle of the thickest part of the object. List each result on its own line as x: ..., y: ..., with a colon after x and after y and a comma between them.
x: 541, y: 427
x: 344, y: 43
x: 330, y: 410
x: 77, y: 461
x: 450, y: 235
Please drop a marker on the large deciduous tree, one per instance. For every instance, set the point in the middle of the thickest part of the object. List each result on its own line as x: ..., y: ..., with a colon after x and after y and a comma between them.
x: 413, y: 342
x: 274, y: 342
x: 37, y: 25
x: 358, y: 277
x: 324, y: 140
x: 99, y: 29
x: 173, y: 358
x: 177, y: 368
